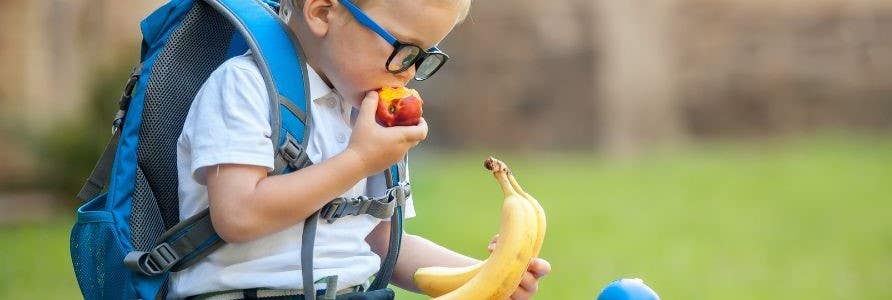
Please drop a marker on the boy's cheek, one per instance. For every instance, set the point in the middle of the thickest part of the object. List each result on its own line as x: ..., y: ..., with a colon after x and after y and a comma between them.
x: 360, y: 76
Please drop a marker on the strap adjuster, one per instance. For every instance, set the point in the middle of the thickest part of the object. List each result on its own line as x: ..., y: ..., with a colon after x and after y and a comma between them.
x: 399, y: 193
x: 126, y: 96
x: 340, y: 207
x: 163, y: 256
x: 292, y: 152
x: 381, y: 207
x: 159, y: 260
x: 333, y: 210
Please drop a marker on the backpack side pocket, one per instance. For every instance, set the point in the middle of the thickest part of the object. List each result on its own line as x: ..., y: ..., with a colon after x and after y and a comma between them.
x: 97, y: 253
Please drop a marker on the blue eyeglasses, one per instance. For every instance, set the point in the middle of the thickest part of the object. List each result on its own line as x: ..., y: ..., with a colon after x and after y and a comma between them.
x: 404, y: 55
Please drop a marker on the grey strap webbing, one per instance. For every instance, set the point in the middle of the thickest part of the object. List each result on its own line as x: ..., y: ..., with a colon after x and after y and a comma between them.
x: 382, y: 279
x: 394, y: 198
x: 98, y: 179
x: 308, y: 238
x: 301, y: 115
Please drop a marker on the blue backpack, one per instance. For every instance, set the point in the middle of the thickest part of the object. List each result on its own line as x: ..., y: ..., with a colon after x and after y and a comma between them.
x: 128, y: 236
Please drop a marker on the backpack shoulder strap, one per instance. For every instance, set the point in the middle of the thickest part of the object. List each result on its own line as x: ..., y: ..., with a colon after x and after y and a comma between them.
x: 267, y: 37
x: 270, y: 40
x: 397, y: 180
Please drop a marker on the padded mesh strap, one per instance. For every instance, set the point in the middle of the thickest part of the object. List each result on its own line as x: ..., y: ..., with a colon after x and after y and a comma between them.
x: 179, y: 247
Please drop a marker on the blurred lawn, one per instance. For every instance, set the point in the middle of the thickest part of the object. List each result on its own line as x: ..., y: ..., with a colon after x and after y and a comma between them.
x: 796, y: 220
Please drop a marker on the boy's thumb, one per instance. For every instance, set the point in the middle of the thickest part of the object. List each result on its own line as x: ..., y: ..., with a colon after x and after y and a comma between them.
x: 369, y: 105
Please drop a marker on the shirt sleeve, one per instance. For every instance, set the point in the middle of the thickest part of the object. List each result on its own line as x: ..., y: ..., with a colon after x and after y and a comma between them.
x: 409, y: 209
x: 230, y: 122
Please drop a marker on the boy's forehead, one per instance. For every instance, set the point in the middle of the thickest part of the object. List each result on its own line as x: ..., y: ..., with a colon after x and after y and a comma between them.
x: 421, y: 22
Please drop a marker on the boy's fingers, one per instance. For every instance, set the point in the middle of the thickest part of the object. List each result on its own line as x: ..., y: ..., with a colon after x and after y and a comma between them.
x: 529, y: 283
x: 521, y: 294
x: 423, y: 126
x: 369, y: 105
x: 527, y: 287
x: 413, y: 133
x: 539, y: 267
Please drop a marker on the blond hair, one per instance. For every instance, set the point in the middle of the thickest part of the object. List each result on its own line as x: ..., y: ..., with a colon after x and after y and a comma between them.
x: 464, y: 6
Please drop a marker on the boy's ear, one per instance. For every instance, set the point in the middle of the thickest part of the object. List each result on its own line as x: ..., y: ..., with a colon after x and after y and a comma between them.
x: 317, y: 14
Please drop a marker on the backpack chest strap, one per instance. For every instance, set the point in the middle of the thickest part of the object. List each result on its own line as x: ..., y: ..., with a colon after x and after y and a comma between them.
x: 379, y: 207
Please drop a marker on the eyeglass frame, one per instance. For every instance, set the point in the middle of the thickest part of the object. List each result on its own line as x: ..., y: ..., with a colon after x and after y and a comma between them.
x: 367, y: 21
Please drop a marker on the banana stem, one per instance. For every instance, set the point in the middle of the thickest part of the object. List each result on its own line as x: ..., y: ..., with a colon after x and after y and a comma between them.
x: 500, y: 171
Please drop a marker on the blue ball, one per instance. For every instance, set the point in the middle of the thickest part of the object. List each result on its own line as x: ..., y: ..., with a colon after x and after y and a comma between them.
x: 628, y: 289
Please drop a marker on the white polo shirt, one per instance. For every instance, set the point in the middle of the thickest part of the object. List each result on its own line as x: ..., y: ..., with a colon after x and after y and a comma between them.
x: 228, y: 123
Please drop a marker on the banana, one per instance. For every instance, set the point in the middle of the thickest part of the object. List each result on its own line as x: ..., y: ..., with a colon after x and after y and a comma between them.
x: 500, y: 275
x: 437, y: 281
x: 540, y: 213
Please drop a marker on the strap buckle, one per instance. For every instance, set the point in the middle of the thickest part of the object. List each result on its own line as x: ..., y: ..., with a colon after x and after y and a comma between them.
x: 126, y: 96
x: 333, y: 210
x: 400, y: 193
x: 377, y: 207
x: 340, y: 207
x: 159, y: 260
x: 292, y: 152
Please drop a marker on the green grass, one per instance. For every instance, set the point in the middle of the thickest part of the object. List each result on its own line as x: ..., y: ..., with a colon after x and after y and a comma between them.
x: 798, y: 220
x: 34, y: 261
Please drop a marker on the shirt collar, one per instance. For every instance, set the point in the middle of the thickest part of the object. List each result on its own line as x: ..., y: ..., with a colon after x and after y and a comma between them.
x: 318, y: 88
x: 325, y: 96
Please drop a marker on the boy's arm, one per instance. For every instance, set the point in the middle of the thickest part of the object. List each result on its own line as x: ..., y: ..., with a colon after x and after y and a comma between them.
x: 415, y: 252
x: 246, y: 204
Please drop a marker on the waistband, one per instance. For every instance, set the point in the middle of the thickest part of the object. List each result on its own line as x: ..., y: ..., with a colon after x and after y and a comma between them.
x: 258, y: 293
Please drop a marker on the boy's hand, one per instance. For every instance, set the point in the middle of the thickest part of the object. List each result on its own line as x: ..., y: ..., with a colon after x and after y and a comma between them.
x: 379, y: 147
x: 530, y: 283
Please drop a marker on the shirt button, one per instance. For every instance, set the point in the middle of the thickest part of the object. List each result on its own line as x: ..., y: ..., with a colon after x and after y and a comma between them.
x: 331, y: 102
x: 341, y: 138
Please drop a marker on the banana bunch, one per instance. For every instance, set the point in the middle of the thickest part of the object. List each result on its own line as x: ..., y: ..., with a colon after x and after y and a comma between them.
x: 521, y: 233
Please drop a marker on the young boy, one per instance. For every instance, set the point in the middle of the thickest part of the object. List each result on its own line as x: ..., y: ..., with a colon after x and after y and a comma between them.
x: 225, y: 152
